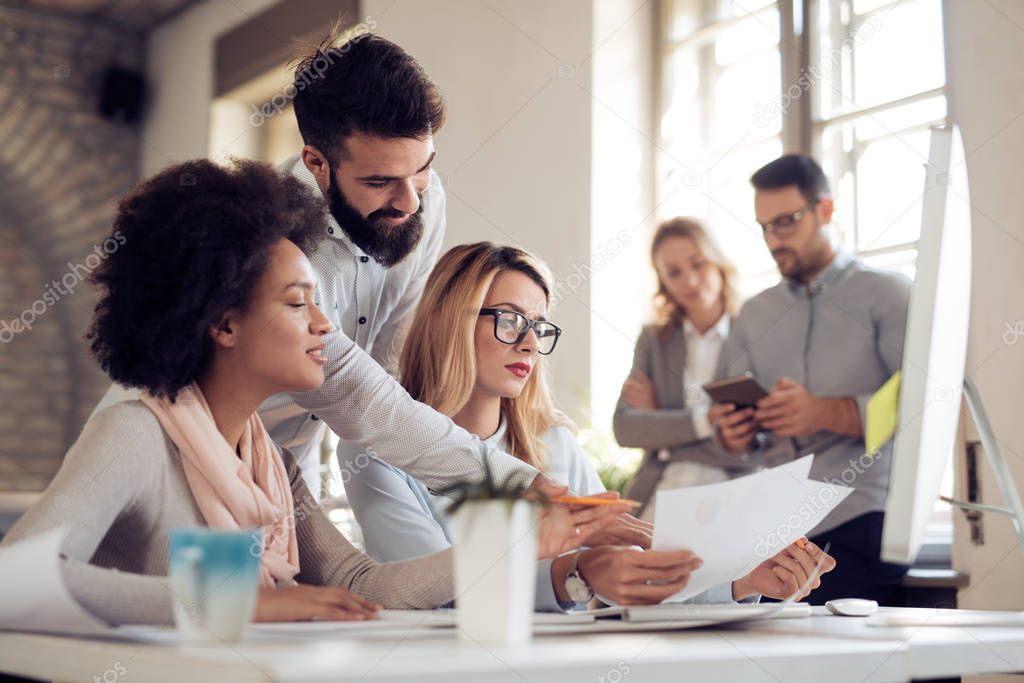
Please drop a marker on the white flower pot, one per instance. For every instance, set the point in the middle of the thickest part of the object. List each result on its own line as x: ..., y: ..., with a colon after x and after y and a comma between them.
x: 495, y: 570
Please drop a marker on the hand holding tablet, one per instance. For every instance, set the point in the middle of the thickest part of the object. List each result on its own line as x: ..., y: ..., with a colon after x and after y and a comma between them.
x: 743, y: 391
x: 733, y: 413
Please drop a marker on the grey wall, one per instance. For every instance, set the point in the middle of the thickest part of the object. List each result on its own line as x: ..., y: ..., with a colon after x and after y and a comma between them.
x: 62, y: 169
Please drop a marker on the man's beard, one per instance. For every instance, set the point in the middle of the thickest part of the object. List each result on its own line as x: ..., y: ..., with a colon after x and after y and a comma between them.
x: 385, y: 243
x: 803, y: 269
x: 796, y: 270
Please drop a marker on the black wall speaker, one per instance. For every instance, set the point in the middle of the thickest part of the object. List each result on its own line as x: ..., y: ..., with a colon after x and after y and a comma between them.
x: 122, y: 94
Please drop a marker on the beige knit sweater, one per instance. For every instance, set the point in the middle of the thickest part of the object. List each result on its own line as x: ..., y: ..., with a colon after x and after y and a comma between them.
x: 122, y: 489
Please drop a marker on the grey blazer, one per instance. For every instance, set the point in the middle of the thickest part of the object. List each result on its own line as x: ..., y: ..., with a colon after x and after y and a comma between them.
x: 669, y: 427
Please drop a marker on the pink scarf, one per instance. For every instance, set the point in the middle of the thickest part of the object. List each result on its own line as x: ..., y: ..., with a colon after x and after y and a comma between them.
x: 231, y: 492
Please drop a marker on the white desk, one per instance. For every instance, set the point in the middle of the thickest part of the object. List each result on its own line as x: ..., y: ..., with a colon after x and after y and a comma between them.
x: 929, y: 651
x: 820, y: 648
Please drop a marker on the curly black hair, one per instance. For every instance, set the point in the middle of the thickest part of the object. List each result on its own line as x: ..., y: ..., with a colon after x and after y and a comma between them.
x: 194, y: 239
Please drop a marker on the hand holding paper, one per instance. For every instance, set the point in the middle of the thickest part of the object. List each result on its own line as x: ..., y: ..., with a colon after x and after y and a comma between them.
x: 736, y: 525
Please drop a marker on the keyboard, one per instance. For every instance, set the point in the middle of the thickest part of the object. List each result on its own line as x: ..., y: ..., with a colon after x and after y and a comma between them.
x: 681, y: 611
x: 684, y: 611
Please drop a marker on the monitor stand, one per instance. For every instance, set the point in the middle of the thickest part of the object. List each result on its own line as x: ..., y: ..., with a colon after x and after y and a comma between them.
x: 1004, y: 477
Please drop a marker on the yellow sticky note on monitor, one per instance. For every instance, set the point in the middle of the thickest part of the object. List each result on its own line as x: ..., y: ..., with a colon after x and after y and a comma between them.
x: 882, y: 414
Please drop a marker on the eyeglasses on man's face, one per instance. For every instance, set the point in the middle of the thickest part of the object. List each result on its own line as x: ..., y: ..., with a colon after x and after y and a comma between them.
x: 511, y: 327
x: 786, y: 224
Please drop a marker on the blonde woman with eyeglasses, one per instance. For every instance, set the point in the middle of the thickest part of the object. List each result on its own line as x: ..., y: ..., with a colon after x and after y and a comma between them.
x: 475, y: 351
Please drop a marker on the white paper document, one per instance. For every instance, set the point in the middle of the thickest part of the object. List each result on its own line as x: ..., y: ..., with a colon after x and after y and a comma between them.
x: 736, y: 525
x: 33, y: 596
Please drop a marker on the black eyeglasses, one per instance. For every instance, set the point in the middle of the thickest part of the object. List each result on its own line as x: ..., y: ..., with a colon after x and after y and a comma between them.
x: 784, y: 226
x: 511, y: 327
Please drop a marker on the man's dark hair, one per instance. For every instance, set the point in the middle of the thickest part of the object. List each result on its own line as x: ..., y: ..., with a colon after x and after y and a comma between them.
x: 793, y: 169
x: 194, y: 240
x: 366, y: 84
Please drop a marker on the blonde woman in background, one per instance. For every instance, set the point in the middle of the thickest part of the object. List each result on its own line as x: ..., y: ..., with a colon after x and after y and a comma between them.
x: 475, y: 351
x: 663, y: 408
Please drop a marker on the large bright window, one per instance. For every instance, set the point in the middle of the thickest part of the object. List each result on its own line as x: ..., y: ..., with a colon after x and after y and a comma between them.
x: 881, y: 87
x: 861, y: 98
x: 721, y: 73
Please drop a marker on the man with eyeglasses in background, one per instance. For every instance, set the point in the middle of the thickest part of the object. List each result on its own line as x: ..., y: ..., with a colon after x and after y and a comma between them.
x: 822, y: 341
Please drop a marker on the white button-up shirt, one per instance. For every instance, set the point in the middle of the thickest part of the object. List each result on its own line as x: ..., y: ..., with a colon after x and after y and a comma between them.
x: 371, y: 304
x: 702, y: 351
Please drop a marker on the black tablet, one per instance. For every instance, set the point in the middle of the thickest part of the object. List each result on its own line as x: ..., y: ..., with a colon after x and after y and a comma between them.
x: 743, y: 390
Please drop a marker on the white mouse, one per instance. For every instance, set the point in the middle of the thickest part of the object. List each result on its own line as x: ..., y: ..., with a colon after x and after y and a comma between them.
x: 852, y: 607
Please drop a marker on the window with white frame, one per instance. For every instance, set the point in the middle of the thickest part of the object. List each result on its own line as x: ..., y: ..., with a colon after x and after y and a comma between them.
x: 881, y: 87
x: 720, y: 78
x: 855, y: 83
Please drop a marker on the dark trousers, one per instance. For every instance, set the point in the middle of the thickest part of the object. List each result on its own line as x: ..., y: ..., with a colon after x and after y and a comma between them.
x: 859, y: 572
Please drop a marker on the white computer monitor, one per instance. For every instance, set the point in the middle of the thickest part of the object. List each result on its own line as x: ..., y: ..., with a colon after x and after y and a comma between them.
x: 934, y: 351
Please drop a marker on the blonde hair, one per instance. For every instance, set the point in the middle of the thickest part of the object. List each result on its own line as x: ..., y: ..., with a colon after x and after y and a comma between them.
x: 438, y: 361
x: 667, y: 313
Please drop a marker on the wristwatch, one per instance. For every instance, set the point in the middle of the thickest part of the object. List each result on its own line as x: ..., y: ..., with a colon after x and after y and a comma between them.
x: 576, y: 586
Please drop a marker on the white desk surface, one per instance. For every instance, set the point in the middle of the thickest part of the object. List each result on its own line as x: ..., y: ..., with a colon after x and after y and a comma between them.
x: 930, y: 651
x: 814, y: 649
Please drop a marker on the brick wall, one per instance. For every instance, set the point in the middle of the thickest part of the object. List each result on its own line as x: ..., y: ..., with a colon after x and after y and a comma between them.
x: 62, y: 170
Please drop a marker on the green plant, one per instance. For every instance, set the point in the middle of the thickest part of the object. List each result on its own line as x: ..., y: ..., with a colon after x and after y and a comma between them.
x: 511, y: 489
x: 615, y: 465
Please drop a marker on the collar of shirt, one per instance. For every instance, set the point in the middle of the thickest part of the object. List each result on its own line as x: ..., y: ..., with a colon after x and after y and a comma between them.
x: 334, y: 231
x: 497, y: 439
x: 832, y: 271
x: 718, y: 332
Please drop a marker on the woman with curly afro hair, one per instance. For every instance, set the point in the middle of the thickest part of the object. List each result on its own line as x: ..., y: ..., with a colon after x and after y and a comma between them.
x: 207, y: 307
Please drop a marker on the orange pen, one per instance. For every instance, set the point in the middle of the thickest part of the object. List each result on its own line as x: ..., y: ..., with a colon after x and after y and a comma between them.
x: 589, y: 500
